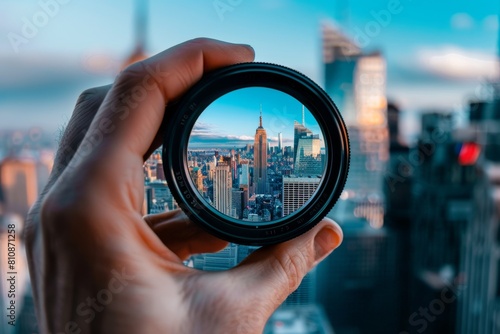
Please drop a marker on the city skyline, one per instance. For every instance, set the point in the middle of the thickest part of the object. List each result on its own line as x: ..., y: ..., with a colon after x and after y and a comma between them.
x: 42, y: 81
x: 259, y: 183
x: 216, y: 128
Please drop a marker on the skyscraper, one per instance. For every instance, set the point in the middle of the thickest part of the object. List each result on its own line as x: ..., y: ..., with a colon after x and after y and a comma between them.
x: 280, y: 142
x: 308, y: 158
x: 299, y: 131
x: 307, y: 150
x: 244, y: 176
x: 158, y: 198
x: 197, y: 178
x: 19, y: 179
x: 356, y: 83
x: 140, y: 24
x: 222, y: 188
x: 260, y: 158
x: 296, y: 192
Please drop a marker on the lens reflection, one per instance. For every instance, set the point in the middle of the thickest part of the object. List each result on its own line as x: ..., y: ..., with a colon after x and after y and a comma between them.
x: 256, y: 154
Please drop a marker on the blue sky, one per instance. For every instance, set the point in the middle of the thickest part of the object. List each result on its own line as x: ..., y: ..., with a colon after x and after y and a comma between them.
x: 438, y: 52
x: 231, y: 120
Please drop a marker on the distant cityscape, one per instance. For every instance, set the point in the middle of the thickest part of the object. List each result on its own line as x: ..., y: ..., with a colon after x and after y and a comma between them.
x: 421, y: 222
x: 256, y: 183
x: 259, y: 183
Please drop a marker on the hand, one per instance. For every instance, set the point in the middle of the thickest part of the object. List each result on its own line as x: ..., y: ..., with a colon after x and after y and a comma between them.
x: 98, y: 266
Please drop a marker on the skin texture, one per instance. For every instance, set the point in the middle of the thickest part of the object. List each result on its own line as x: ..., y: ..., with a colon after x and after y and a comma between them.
x: 98, y: 266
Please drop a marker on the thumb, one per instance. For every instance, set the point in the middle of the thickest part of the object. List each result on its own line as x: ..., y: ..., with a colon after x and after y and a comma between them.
x: 272, y: 273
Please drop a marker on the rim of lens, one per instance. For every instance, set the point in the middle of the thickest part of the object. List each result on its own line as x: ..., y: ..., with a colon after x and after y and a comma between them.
x: 181, y: 117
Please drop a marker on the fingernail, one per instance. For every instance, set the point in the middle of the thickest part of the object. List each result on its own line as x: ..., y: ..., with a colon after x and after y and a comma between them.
x: 248, y: 46
x: 324, y: 242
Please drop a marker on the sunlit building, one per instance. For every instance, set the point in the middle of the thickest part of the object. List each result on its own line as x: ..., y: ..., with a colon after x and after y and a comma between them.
x: 197, y: 178
x: 140, y: 24
x: 260, y: 159
x: 356, y: 83
x: 19, y: 180
x: 222, y: 188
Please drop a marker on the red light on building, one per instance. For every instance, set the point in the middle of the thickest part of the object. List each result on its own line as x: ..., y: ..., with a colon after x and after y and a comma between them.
x: 469, y: 152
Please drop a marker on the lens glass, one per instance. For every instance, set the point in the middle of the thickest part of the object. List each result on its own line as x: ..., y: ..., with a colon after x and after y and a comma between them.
x: 256, y: 155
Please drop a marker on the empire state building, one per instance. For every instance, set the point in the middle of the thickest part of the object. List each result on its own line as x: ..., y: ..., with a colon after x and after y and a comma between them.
x: 260, y: 158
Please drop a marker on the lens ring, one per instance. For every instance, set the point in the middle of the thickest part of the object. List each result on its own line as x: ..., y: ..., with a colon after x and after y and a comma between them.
x: 179, y: 122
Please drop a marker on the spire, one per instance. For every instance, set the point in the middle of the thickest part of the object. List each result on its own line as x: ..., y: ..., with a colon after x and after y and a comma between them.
x: 140, y: 23
x: 141, y: 18
x: 303, y: 117
x: 260, y: 118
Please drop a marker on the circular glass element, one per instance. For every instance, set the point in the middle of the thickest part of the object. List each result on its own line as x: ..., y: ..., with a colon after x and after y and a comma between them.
x: 255, y: 153
x: 252, y: 157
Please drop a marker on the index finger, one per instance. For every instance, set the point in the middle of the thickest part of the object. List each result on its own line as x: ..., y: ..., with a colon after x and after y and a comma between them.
x: 131, y: 114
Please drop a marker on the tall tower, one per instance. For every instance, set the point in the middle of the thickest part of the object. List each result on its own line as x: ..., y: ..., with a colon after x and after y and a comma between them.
x: 140, y: 24
x: 356, y: 82
x: 19, y: 180
x: 260, y: 158
x: 299, y: 131
x: 223, y: 185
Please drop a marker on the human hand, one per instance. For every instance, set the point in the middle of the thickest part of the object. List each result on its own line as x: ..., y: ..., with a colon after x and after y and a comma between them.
x: 98, y: 266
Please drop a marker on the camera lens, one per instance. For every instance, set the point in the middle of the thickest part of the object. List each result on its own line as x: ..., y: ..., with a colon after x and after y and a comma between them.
x: 255, y: 153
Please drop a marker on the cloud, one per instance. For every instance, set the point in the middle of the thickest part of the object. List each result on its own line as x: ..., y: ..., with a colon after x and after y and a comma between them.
x: 208, y: 135
x: 462, y: 21
x: 490, y: 23
x: 205, y: 135
x: 458, y: 64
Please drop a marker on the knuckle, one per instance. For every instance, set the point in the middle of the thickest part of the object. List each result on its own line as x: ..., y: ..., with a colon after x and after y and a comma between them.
x: 61, y: 206
x: 54, y: 210
x: 88, y: 95
x: 201, y: 41
x: 294, y: 267
x: 130, y: 74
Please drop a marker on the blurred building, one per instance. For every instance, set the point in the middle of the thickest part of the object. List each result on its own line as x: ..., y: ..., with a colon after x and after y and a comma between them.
x: 18, y: 177
x: 305, y: 293
x: 444, y: 176
x: 25, y: 321
x: 309, y: 319
x: 397, y: 186
x: 222, y: 260
x: 140, y: 25
x: 158, y: 198
x: 356, y: 83
x: 479, y: 303
x: 358, y: 284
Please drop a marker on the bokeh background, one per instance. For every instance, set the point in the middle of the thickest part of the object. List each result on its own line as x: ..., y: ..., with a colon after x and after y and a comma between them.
x: 417, y: 83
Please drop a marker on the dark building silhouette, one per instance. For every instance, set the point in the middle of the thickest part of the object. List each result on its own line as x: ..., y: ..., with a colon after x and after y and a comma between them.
x: 479, y: 302
x: 357, y: 283
x: 444, y: 176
